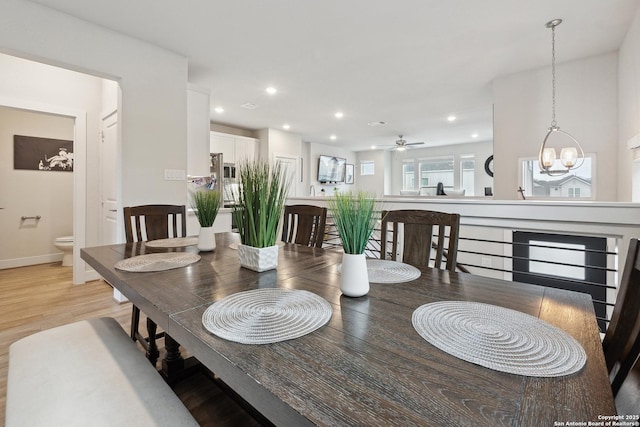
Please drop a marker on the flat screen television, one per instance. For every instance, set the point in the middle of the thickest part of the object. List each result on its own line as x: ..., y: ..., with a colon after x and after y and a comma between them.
x: 331, y: 169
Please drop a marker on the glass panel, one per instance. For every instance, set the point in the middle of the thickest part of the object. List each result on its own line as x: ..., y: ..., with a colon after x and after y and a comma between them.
x: 367, y: 167
x: 557, y: 255
x: 467, y: 168
x: 435, y: 170
x: 577, y: 183
x: 408, y: 176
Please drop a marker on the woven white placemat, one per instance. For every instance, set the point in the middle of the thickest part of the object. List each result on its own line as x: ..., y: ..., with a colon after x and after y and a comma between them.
x: 176, y: 242
x: 157, y: 262
x: 263, y: 316
x: 387, y: 271
x: 499, y: 338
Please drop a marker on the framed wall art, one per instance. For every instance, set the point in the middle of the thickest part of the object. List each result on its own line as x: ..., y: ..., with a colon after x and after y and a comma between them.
x: 42, y: 154
x: 348, y: 177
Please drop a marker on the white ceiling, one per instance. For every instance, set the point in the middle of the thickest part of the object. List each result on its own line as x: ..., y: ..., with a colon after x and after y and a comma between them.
x: 409, y: 63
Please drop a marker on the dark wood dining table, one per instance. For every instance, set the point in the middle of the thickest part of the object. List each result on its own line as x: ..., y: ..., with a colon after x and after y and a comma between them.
x: 367, y: 366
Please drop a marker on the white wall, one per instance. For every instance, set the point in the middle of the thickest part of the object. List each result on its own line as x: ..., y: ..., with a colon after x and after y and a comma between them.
x: 39, y: 84
x: 153, y: 83
x: 315, y: 150
x: 198, y: 131
x: 371, y: 183
x: 629, y: 111
x: 586, y: 107
x: 32, y: 192
x: 152, y: 108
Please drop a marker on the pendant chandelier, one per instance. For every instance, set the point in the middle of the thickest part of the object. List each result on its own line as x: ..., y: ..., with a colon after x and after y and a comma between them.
x: 572, y: 156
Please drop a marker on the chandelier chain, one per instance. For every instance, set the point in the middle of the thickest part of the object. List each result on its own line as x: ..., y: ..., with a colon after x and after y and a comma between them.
x: 553, y: 76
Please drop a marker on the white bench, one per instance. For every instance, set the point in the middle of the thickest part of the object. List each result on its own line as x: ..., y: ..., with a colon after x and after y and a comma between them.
x: 88, y: 373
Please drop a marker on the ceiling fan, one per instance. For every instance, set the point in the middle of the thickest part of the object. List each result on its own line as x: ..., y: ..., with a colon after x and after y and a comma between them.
x: 402, y: 144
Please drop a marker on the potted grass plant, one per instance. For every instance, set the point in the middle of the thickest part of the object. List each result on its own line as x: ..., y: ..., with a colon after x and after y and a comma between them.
x: 355, y: 216
x: 258, y: 208
x: 206, y: 204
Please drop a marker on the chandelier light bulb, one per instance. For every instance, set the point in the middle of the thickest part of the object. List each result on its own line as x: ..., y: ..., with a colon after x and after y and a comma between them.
x: 569, y: 156
x: 548, y: 157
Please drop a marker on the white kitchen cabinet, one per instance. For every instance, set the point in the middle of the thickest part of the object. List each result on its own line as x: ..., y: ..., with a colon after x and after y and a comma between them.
x: 234, y: 148
x: 225, y: 144
x: 245, y: 149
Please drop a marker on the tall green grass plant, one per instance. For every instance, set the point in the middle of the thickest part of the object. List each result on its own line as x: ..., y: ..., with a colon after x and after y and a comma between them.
x: 206, y: 204
x: 259, y: 202
x: 355, y: 217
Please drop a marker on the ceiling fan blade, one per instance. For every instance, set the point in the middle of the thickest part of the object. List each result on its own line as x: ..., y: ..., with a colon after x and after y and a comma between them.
x: 415, y: 143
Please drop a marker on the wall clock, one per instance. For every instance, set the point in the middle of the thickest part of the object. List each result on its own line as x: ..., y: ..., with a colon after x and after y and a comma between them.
x: 488, y: 165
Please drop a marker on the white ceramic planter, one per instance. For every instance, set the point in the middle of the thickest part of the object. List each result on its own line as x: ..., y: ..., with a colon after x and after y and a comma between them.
x: 206, y: 239
x: 258, y: 259
x: 354, y: 278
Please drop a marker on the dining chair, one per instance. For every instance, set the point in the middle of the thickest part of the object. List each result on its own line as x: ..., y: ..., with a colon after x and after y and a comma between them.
x: 304, y: 225
x: 412, y: 237
x: 151, y: 222
x: 621, y: 343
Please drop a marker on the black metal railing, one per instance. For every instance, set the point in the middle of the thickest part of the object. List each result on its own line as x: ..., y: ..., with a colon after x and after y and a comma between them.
x: 602, y: 301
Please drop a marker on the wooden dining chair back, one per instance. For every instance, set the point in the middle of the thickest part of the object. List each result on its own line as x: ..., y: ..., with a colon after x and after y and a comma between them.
x: 304, y: 225
x: 621, y: 342
x: 416, y: 234
x: 152, y: 222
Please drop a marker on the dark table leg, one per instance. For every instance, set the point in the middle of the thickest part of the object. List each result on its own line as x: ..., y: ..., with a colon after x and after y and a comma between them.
x: 152, y: 350
x: 174, y: 366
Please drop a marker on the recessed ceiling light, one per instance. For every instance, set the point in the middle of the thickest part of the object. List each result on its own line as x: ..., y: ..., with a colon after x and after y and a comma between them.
x: 333, y: 137
x: 339, y: 115
x: 286, y: 126
x: 474, y: 135
x: 271, y: 90
x: 219, y: 110
x: 373, y: 147
x: 451, y: 118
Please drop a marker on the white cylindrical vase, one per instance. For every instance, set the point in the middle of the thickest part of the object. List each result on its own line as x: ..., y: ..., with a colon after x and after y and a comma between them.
x: 354, y: 279
x: 206, y: 239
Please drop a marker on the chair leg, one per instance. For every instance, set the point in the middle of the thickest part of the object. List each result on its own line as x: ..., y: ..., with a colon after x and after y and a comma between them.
x: 135, y: 321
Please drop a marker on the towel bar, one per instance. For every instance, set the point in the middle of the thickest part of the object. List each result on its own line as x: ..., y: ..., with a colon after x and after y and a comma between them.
x: 24, y: 218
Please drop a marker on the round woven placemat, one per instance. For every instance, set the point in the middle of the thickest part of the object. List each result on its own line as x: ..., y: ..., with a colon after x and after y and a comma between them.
x: 177, y: 242
x: 499, y: 338
x: 157, y: 262
x: 264, y: 316
x: 387, y: 271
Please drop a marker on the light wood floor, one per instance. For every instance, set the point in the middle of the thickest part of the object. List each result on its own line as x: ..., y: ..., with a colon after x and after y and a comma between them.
x: 43, y: 296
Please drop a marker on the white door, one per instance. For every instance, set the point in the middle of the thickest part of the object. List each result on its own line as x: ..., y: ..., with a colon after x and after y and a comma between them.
x: 290, y: 166
x: 108, y: 166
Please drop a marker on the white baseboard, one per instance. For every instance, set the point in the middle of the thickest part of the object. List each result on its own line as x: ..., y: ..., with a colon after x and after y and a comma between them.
x: 34, y: 260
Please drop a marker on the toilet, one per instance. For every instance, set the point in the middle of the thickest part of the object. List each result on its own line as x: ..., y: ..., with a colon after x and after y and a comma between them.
x: 65, y: 245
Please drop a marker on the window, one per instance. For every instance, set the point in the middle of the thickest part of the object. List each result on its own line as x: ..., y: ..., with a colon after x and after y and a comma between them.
x: 408, y: 175
x: 434, y: 170
x: 467, y: 174
x: 367, y: 167
x: 578, y: 183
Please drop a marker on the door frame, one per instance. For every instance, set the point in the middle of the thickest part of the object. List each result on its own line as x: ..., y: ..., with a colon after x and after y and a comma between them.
x: 79, y: 172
